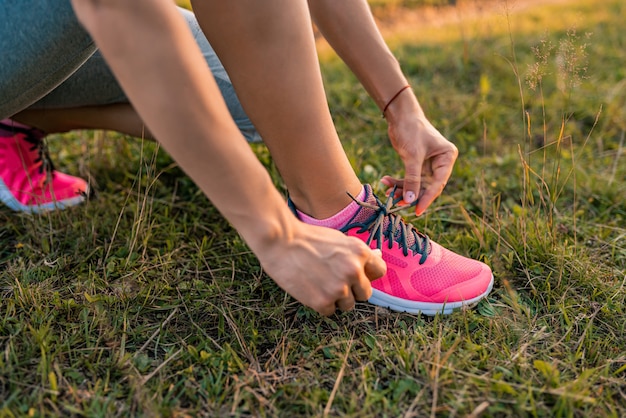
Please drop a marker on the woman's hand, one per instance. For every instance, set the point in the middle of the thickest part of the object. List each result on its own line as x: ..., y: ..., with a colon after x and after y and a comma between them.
x: 322, y: 268
x: 427, y: 155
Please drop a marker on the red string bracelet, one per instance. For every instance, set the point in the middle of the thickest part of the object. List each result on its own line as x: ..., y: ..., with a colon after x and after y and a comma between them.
x: 394, y: 98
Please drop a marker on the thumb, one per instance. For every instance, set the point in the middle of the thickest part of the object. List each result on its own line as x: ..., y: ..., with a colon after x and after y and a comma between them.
x: 375, y: 266
x: 412, y: 180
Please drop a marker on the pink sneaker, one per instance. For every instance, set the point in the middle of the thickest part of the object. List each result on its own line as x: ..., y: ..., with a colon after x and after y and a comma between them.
x: 28, y: 181
x: 422, y: 276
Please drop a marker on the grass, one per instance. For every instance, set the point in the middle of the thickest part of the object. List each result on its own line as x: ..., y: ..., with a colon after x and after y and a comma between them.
x: 144, y: 302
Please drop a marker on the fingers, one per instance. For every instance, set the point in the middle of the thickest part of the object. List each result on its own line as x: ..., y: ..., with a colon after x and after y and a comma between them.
x: 428, y: 196
x: 346, y: 304
x: 441, y: 171
x: 327, y: 310
x: 375, y: 266
x: 431, y: 186
x: 398, y: 185
x: 412, y: 180
x: 391, y: 182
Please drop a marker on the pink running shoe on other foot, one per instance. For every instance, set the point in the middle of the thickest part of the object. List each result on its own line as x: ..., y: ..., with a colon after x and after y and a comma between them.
x: 422, y: 276
x: 28, y: 181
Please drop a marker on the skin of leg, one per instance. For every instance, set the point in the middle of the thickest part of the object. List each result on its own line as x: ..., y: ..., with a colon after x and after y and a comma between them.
x: 269, y: 52
x: 120, y: 117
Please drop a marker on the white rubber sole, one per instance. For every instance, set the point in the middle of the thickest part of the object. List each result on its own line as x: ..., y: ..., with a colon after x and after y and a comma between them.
x: 9, y: 200
x: 427, y: 308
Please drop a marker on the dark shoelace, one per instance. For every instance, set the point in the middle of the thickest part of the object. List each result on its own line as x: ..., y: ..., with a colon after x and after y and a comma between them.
x: 34, y: 138
x: 396, y: 229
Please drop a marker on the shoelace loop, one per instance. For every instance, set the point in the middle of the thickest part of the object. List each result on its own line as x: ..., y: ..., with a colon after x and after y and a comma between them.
x: 397, y: 229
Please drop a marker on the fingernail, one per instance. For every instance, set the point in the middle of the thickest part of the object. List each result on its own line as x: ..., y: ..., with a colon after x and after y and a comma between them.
x: 409, y: 197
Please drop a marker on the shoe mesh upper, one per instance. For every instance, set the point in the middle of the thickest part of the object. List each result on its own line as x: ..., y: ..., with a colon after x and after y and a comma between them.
x: 439, y: 277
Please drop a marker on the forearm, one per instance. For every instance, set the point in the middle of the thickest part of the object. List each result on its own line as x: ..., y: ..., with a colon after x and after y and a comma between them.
x: 349, y: 27
x: 175, y: 94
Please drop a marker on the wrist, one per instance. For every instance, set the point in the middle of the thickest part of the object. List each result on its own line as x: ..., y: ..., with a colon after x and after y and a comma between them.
x: 403, y: 107
x: 270, y: 231
x: 393, y: 98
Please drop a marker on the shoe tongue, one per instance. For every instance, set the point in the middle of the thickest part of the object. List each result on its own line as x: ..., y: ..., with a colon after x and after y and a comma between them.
x: 365, y: 214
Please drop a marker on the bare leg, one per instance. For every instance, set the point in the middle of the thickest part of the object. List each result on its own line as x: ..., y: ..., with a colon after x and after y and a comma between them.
x: 269, y: 52
x: 117, y: 117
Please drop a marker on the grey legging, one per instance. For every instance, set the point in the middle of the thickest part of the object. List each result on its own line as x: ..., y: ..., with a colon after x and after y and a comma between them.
x: 47, y: 60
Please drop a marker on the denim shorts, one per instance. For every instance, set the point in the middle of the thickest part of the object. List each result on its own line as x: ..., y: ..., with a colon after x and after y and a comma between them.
x: 49, y: 61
